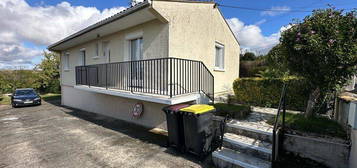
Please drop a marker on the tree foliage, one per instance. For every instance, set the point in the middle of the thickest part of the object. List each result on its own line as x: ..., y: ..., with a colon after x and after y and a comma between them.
x: 323, y: 50
x: 44, y: 77
x: 248, y: 56
x: 48, y: 72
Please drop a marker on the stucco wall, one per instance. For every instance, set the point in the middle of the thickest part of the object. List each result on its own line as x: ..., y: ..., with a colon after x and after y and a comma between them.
x: 113, y: 106
x: 155, y: 45
x: 194, y: 29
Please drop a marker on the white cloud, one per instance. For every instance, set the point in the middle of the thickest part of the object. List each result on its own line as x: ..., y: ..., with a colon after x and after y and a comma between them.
x: 41, y: 25
x: 16, y: 55
x: 260, y: 22
x: 251, y: 38
x: 276, y: 10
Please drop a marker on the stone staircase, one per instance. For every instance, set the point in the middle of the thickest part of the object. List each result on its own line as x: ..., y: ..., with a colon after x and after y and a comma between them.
x: 246, y: 143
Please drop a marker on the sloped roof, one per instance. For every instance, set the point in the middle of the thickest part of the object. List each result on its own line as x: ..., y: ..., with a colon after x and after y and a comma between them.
x: 102, y: 22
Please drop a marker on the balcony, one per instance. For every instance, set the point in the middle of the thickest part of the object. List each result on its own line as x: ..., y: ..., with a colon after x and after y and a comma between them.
x: 163, y: 78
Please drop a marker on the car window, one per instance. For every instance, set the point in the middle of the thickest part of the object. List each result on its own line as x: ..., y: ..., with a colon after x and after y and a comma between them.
x: 24, y: 92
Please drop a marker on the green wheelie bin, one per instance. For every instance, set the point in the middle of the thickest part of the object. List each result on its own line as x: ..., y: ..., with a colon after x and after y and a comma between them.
x: 198, y: 128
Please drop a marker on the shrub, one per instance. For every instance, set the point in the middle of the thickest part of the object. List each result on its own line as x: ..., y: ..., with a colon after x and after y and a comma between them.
x: 316, y: 125
x: 266, y: 92
x: 234, y: 111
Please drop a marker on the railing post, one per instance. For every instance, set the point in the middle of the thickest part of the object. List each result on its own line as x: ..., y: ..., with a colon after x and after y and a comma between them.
x: 284, y: 111
x: 199, y: 77
x: 212, y: 89
x: 87, y: 71
x: 170, y: 77
x: 106, y: 76
x: 131, y: 76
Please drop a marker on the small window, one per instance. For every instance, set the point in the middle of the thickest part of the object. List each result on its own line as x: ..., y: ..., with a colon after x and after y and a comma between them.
x: 105, y: 48
x: 82, y: 57
x: 219, y: 58
x: 65, y: 61
x: 96, y: 49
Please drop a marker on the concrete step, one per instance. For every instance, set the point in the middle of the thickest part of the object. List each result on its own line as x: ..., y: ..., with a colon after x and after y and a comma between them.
x: 250, y: 130
x: 227, y: 158
x: 250, y: 146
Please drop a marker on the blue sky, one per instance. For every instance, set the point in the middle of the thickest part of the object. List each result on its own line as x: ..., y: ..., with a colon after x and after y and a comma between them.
x: 272, y: 24
x: 24, y: 35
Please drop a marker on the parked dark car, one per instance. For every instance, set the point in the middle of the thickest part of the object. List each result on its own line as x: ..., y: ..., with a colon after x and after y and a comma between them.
x: 25, y: 97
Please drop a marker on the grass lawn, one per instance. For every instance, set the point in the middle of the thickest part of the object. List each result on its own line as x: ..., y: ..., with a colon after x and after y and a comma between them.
x: 317, y: 125
x: 234, y: 111
x: 51, y: 96
x: 4, y: 99
x: 46, y: 97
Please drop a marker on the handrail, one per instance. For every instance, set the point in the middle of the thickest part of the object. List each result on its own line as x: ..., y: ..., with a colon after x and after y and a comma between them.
x: 282, y: 106
x: 163, y: 76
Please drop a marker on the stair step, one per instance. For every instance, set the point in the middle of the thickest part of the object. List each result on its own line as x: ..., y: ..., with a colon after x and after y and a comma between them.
x: 250, y: 130
x: 227, y: 158
x: 254, y: 147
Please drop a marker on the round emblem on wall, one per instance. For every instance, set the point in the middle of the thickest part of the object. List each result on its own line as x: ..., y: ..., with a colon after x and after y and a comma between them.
x: 138, y: 110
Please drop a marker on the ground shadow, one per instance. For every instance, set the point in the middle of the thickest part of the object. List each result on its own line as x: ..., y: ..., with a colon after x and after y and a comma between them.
x: 55, y: 102
x: 135, y: 131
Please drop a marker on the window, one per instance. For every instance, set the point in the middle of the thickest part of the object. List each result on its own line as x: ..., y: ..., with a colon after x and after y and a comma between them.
x: 65, y: 61
x: 82, y: 57
x: 136, y: 53
x: 105, y: 48
x: 219, y: 59
x: 96, y: 49
x: 136, y: 49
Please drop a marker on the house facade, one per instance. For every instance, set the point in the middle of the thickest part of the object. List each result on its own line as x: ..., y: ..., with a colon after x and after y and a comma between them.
x: 155, y: 53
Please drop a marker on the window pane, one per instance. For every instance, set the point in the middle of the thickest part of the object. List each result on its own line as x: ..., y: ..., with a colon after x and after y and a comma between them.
x: 217, y: 59
x: 65, y: 61
x: 96, y: 49
x: 222, y: 58
x: 105, y: 48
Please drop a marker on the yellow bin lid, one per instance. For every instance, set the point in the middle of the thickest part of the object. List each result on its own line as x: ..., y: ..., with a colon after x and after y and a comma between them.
x: 198, y: 108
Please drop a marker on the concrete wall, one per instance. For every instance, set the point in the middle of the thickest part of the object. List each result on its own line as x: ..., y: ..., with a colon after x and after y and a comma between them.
x: 194, y: 29
x: 155, y: 44
x: 332, y: 154
x: 113, y: 106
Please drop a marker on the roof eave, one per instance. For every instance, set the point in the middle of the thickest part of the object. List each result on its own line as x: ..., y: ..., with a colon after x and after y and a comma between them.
x: 100, y: 23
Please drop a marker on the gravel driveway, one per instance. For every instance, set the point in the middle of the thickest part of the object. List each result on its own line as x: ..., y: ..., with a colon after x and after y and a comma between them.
x: 54, y: 136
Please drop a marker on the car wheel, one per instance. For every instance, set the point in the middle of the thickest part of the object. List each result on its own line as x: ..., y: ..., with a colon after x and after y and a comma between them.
x: 13, y: 105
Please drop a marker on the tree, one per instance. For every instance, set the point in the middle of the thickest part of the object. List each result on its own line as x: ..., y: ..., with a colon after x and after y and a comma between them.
x: 323, y: 50
x: 49, y: 75
x: 276, y: 66
x: 248, y: 56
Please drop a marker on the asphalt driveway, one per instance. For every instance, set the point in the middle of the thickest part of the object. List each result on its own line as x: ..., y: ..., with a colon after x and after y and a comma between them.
x: 54, y: 136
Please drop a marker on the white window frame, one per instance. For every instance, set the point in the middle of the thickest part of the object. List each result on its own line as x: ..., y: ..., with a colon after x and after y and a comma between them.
x: 128, y: 37
x: 106, y: 54
x: 65, y: 61
x: 220, y: 67
x: 96, y: 56
x: 82, y: 60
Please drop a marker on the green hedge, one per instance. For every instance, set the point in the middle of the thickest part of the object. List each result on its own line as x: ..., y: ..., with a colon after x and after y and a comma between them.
x: 266, y: 92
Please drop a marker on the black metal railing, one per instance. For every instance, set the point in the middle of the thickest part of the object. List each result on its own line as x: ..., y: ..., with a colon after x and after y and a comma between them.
x: 162, y: 76
x: 278, y: 130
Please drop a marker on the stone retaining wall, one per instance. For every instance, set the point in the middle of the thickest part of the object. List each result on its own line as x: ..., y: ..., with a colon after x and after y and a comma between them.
x: 332, y: 154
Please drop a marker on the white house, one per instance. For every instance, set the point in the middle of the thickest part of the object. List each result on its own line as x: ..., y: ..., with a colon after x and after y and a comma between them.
x: 155, y: 53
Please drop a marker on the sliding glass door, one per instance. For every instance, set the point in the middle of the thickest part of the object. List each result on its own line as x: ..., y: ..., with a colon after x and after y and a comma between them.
x: 136, y: 53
